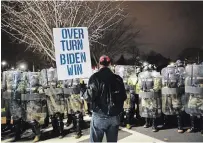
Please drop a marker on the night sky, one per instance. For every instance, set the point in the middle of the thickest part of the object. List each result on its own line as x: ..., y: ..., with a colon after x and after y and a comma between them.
x: 166, y: 27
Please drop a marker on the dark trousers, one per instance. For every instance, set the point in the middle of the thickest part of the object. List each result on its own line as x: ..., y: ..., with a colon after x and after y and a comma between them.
x: 101, y: 124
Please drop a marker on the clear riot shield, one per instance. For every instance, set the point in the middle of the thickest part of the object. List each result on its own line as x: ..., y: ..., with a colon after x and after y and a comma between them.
x: 74, y: 101
x: 124, y: 71
x: 34, y: 99
x: 171, y: 95
x: 194, y: 90
x: 128, y: 73
x: 55, y: 95
x: 16, y: 87
x: 149, y: 95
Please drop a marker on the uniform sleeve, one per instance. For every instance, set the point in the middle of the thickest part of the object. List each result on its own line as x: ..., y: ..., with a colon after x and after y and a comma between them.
x: 123, y: 91
x: 138, y: 86
x: 157, y: 84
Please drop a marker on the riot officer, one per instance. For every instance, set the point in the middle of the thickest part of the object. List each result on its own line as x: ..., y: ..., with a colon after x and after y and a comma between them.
x: 35, y: 104
x: 75, y: 107
x: 150, y: 104
x: 14, y: 86
x: 128, y: 73
x: 55, y: 100
x: 194, y: 95
x: 172, y: 92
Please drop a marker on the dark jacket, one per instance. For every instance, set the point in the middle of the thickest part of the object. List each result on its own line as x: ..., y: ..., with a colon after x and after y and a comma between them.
x: 101, y: 85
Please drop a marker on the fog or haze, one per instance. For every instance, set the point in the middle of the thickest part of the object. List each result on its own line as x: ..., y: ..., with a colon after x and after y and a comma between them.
x: 168, y: 27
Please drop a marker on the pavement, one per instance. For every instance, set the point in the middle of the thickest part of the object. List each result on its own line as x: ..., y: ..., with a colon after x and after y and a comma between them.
x: 136, y: 134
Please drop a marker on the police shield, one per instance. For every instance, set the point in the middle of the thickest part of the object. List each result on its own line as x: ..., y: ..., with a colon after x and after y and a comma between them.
x: 194, y: 90
x: 149, y: 95
x: 13, y: 88
x: 34, y: 99
x: 55, y: 95
x: 171, y: 96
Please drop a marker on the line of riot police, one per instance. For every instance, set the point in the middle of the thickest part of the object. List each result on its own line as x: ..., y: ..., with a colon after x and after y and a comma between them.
x: 152, y: 95
x: 34, y: 98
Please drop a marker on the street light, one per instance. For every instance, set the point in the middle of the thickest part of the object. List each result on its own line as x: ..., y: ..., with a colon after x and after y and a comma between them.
x: 23, y: 66
x: 3, y: 63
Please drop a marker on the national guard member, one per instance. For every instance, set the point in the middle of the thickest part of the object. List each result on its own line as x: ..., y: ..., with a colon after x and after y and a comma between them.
x: 172, y: 93
x: 55, y: 99
x: 75, y: 106
x: 35, y: 104
x: 150, y: 103
x: 194, y: 94
x: 128, y: 73
x: 14, y: 86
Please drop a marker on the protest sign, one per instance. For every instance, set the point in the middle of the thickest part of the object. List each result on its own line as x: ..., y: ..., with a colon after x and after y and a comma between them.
x: 72, y: 53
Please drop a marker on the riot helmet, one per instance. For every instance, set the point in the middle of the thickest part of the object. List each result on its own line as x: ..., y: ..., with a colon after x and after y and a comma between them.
x: 179, y: 63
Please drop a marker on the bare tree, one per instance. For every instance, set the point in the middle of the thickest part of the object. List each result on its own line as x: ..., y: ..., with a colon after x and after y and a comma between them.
x: 32, y: 22
x: 117, y: 40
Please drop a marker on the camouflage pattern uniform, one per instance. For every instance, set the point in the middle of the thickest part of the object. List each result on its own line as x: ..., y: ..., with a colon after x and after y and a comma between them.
x: 75, y: 105
x: 172, y: 93
x: 57, y: 106
x: 14, y: 86
x: 149, y: 84
x: 194, y: 94
x: 128, y: 73
x: 35, y: 103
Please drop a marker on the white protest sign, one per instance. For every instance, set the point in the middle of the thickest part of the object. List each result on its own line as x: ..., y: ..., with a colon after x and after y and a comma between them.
x: 72, y: 53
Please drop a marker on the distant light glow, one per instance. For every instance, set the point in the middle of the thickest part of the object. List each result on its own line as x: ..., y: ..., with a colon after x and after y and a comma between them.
x: 23, y: 66
x: 4, y: 63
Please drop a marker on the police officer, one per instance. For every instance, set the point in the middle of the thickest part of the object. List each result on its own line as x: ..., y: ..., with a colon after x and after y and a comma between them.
x: 149, y: 84
x: 14, y: 86
x: 172, y: 92
x: 194, y: 95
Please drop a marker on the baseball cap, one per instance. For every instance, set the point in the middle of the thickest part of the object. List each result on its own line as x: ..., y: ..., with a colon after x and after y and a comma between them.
x: 104, y: 60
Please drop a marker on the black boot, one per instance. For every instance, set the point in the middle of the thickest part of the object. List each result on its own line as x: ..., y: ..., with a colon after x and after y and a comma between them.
x: 192, y: 128
x: 201, y: 124
x: 78, y: 121
x: 128, y: 119
x: 60, y: 125
x: 69, y: 120
x: 36, y: 129
x: 137, y: 111
x: 154, y: 125
x: 147, y: 123
x: 165, y: 121
x: 122, y: 123
x: 180, y: 124
x: 54, y: 124
x: 17, y: 130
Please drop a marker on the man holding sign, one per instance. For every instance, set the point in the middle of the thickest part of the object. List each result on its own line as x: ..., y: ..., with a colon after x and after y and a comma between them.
x: 106, y: 93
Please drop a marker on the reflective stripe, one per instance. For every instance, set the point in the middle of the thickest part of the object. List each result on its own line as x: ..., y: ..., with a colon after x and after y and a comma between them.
x: 167, y: 91
x: 193, y: 90
x: 195, y: 77
x: 147, y: 79
x: 32, y: 97
x: 148, y: 94
x: 170, y: 80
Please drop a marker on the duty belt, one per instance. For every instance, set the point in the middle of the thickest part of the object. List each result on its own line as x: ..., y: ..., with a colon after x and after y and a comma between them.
x: 11, y: 95
x: 71, y: 91
x: 167, y: 91
x: 193, y: 90
x: 32, y: 97
x: 7, y: 94
x: 148, y: 94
